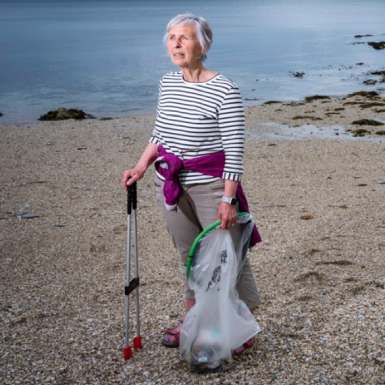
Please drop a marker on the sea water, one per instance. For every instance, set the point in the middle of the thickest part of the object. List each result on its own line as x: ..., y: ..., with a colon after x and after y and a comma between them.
x: 106, y: 56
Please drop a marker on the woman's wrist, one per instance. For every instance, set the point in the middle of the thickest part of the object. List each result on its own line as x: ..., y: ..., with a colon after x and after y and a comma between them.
x: 141, y: 167
x: 149, y: 155
x: 230, y: 200
x: 230, y: 188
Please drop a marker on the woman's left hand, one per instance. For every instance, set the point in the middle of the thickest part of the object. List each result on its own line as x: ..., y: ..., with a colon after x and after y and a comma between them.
x: 227, y: 214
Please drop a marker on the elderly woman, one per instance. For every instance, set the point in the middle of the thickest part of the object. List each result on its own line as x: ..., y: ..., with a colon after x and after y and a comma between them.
x: 199, y: 137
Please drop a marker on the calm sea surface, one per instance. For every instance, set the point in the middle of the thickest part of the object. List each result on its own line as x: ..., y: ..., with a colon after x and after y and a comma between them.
x: 106, y: 56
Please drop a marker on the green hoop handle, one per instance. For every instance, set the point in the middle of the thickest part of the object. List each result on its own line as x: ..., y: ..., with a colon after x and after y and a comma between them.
x: 208, y: 229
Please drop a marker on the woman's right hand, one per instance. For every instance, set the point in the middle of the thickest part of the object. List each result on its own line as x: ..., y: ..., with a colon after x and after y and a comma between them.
x: 132, y: 175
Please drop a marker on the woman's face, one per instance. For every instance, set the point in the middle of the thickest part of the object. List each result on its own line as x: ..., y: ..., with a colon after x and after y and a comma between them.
x: 183, y: 46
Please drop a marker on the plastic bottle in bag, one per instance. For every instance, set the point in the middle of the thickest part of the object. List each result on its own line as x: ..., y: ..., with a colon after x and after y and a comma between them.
x: 219, y: 321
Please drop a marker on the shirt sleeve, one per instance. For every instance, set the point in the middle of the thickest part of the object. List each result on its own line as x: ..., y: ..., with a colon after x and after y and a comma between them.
x: 155, y: 137
x: 231, y: 123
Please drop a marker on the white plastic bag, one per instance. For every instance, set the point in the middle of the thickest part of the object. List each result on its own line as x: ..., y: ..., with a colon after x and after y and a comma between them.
x: 219, y: 322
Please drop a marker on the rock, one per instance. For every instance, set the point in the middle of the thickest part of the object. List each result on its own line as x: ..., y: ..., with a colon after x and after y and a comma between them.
x: 272, y: 102
x: 381, y: 132
x: 106, y: 118
x: 1, y: 114
x: 360, y: 63
x: 298, y: 74
x: 294, y: 104
x: 377, y: 44
x: 372, y: 104
x: 307, y: 216
x: 315, y: 97
x: 377, y: 73
x: 359, y: 132
x: 366, y: 94
x: 367, y: 122
x: 369, y: 82
x: 64, y: 113
x: 359, y: 36
x: 306, y: 117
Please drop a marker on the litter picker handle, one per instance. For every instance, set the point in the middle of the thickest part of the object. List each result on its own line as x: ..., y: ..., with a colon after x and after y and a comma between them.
x: 131, y: 198
x: 131, y: 284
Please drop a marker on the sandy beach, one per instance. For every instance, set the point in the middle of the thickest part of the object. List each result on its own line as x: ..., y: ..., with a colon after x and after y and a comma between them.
x: 319, y: 203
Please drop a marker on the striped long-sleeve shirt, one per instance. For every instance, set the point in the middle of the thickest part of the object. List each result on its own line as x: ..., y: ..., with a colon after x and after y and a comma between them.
x: 200, y: 118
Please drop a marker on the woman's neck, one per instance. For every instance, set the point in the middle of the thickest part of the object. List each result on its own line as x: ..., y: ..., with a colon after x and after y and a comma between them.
x: 196, y: 74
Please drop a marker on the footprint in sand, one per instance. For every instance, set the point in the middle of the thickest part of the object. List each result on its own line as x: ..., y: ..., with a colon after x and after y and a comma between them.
x: 342, y: 262
x: 310, y: 276
x: 360, y: 288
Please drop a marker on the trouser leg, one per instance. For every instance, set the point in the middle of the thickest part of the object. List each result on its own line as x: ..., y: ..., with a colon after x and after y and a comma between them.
x: 246, y: 286
x: 206, y: 199
x: 196, y: 209
x: 183, y: 227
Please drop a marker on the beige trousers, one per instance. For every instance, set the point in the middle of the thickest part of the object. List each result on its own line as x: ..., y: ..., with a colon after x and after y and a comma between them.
x: 196, y: 209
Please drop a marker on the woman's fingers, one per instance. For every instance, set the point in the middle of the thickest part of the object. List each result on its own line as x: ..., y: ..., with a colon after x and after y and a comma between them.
x: 128, y: 178
x: 225, y: 224
x: 125, y: 176
x: 131, y: 179
x: 226, y: 221
x: 227, y: 215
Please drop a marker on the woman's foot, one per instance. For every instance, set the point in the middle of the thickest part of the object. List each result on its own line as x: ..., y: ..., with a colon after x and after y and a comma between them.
x: 171, y: 336
x: 247, y: 345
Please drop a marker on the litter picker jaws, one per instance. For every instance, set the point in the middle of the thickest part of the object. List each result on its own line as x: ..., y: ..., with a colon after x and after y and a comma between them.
x: 131, y: 284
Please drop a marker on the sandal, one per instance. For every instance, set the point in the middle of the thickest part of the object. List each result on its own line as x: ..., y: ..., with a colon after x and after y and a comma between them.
x: 171, y: 336
x: 247, y: 345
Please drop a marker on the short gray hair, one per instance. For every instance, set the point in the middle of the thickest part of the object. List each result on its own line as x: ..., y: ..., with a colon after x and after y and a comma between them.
x: 203, y: 30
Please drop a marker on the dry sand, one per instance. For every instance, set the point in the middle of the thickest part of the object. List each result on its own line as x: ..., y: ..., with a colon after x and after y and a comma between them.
x: 320, y: 207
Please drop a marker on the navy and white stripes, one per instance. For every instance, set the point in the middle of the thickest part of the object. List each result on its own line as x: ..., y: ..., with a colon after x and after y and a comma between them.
x: 200, y: 118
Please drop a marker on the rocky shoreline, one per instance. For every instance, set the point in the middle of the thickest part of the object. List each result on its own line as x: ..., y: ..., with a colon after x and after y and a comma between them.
x: 360, y: 113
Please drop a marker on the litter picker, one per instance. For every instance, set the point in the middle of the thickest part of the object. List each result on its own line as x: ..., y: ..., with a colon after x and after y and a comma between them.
x: 131, y: 284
